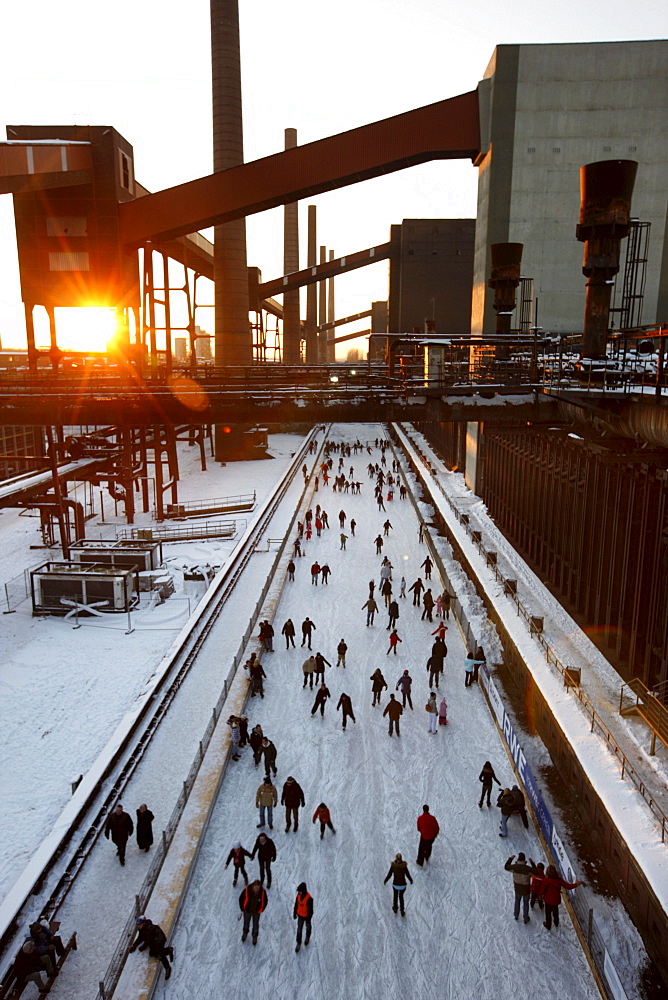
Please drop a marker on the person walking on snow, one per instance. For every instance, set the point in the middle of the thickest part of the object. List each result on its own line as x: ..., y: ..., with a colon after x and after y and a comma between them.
x: 255, y: 740
x: 342, y: 519
x: 269, y: 753
x: 440, y: 631
x: 506, y: 803
x: 266, y: 853
x: 378, y: 682
x: 307, y: 628
x: 386, y: 527
x: 394, y: 642
x: 252, y: 902
x: 325, y: 572
x: 288, y: 631
x: 522, y: 873
x: 320, y: 664
x: 315, y: 573
x: 427, y: 566
x: 386, y: 592
x: 395, y: 711
x: 353, y: 525
x: 371, y: 608
x: 378, y: 542
x: 341, y: 651
x: 344, y: 539
x: 292, y: 797
x: 237, y: 855
x: 144, y: 828
x: 120, y: 826
x: 303, y: 913
x: 417, y: 589
x: 320, y: 699
x: 322, y: 814
x: 398, y: 873
x: 393, y: 612
x: 291, y: 572
x: 432, y: 712
x: 551, y: 893
x: 266, y: 798
x: 435, y: 669
x: 428, y: 605
x: 402, y: 587
x: 443, y: 713
x: 347, y: 708
x: 308, y: 669
x: 487, y: 776
x: 405, y: 683
x: 428, y: 829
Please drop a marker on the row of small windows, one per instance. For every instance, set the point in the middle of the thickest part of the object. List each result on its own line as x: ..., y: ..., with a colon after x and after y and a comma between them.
x: 557, y: 149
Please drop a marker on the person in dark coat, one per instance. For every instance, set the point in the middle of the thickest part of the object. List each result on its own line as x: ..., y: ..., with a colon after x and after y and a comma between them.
x: 28, y: 966
x: 393, y: 612
x: 520, y: 806
x: 551, y: 893
x: 341, y: 651
x: 144, y: 828
x: 252, y: 902
x: 255, y: 740
x: 347, y: 708
x: 506, y: 803
x: 386, y: 591
x: 417, y: 589
x: 266, y: 853
x: 320, y: 664
x: 315, y: 573
x: 428, y: 605
x: 237, y: 855
x: 307, y: 628
x: 427, y: 565
x: 291, y: 572
x: 292, y: 798
x: 435, y: 668
x: 487, y: 776
x: 325, y: 573
x: 303, y: 914
x: 151, y: 936
x: 119, y: 826
x: 405, y: 682
x: 428, y: 829
x: 321, y: 697
x: 269, y: 753
x: 378, y: 682
x: 398, y: 873
x: 378, y: 541
x: 322, y: 813
x: 522, y: 873
x: 394, y: 710
x: 257, y: 675
x: 288, y: 631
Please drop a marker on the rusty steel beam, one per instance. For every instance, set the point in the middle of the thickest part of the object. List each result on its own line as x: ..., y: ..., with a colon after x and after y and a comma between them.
x: 443, y: 131
x: 330, y: 324
x: 318, y: 272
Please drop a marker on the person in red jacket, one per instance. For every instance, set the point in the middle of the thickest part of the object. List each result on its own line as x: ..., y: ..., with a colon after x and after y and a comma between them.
x: 537, y: 880
x: 551, y: 893
x: 302, y: 913
x: 428, y: 829
x: 252, y: 902
x: 394, y: 642
x: 322, y: 813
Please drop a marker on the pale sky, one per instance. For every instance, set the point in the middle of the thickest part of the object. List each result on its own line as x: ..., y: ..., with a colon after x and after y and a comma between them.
x: 144, y: 68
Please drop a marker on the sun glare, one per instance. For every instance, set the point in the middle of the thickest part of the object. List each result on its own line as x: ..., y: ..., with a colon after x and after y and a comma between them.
x: 87, y: 328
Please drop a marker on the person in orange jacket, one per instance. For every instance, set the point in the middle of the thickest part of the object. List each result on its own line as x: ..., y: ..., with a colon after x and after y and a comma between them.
x: 303, y: 913
x: 252, y: 902
x: 551, y: 893
x: 322, y: 813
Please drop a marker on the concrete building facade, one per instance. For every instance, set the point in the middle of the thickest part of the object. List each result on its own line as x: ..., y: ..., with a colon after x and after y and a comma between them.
x: 546, y: 110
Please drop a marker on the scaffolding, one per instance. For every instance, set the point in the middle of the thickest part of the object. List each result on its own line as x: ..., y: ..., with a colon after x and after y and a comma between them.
x: 629, y: 311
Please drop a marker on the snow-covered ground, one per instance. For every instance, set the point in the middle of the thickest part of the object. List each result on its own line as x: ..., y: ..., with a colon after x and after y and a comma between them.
x: 459, y: 938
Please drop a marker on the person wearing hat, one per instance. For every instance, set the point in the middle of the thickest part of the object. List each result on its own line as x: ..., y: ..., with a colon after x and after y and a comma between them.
x: 266, y: 798
x: 237, y: 855
x: 252, y: 902
x: 266, y: 853
x: 398, y: 873
x: 522, y: 873
x: 405, y: 682
x: 151, y: 936
x: 303, y: 913
x: 292, y: 797
x: 28, y: 966
x: 120, y: 826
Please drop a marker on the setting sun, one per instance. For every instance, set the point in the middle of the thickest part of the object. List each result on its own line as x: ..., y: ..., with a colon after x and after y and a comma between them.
x: 87, y: 328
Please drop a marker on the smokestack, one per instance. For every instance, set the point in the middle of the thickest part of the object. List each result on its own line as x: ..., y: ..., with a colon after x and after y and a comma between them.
x: 291, y: 307
x: 322, y: 312
x: 311, y: 292
x: 605, y: 214
x: 233, y: 337
x: 331, y: 333
x: 505, y: 277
